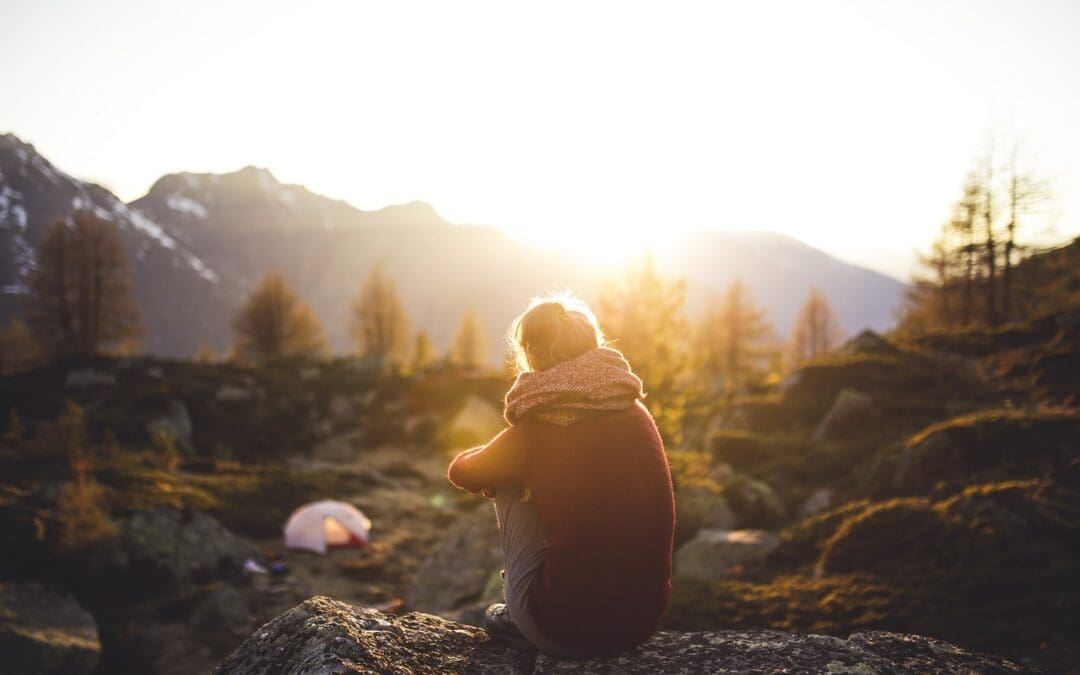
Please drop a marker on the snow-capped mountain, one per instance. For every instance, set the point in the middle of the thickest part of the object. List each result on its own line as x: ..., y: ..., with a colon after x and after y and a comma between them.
x: 166, y: 271
x: 200, y: 242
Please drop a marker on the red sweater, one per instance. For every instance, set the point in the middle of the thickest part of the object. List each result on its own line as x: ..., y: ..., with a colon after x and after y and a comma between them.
x: 603, y: 491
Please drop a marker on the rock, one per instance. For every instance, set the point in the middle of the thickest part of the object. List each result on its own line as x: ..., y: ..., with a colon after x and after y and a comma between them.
x: 227, y: 393
x: 45, y: 632
x: 869, y: 342
x: 171, y: 416
x: 177, y: 548
x: 698, y: 507
x: 340, y: 408
x: 722, y: 473
x: 223, y: 610
x: 852, y: 412
x: 88, y: 377
x: 754, y: 502
x: 712, y: 553
x: 324, y: 636
x: 460, y: 567
x: 819, y: 501
x: 989, y: 446
x: 790, y: 381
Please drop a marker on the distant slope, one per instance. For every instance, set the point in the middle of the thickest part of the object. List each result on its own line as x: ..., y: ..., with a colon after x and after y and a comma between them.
x: 780, y: 271
x: 201, y: 242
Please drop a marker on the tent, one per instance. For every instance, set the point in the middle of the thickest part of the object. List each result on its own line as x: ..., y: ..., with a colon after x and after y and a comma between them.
x: 317, y: 526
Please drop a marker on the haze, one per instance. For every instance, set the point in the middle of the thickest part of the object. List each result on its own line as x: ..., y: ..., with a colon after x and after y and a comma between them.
x: 597, y: 127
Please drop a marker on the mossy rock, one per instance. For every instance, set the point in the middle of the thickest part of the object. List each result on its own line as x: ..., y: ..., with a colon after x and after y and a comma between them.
x: 989, y: 446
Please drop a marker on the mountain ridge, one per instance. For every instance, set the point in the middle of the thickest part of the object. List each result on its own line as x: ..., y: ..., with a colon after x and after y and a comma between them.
x: 199, y: 243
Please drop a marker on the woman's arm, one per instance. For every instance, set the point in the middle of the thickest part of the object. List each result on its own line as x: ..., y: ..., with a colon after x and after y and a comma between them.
x: 499, y: 462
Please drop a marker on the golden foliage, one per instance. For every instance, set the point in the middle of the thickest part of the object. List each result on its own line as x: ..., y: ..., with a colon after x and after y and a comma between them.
x: 275, y: 323
x: 378, y: 321
x: 642, y: 315
x: 18, y: 349
x: 816, y: 331
x: 469, y: 347
x: 80, y: 292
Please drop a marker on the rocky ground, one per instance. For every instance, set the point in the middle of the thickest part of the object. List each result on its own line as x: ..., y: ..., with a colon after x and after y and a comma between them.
x: 325, y: 636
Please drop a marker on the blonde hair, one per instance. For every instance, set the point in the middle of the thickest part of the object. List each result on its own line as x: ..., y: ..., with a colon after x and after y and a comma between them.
x: 554, y: 328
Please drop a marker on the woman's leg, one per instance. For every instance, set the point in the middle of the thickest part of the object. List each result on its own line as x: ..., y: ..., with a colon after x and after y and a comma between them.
x: 524, y: 548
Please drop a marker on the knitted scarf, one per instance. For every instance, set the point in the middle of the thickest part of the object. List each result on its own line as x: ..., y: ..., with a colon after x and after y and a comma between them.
x: 592, y: 384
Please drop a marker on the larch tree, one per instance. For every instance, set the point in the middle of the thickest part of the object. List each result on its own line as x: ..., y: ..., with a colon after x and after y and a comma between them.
x: 969, y: 274
x: 80, y: 300
x: 816, y: 331
x: 378, y: 323
x: 423, y: 354
x: 733, y: 338
x: 1026, y: 193
x: 469, y: 347
x: 275, y: 323
x: 18, y: 349
x: 642, y: 315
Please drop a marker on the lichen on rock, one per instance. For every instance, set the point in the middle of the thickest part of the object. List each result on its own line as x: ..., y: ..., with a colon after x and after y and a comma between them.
x: 325, y: 636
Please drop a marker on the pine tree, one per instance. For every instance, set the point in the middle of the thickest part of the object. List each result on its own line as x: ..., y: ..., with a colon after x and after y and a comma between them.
x: 423, y: 352
x: 379, y: 324
x: 816, y: 330
x: 80, y: 298
x: 275, y: 323
x: 733, y: 338
x: 469, y: 347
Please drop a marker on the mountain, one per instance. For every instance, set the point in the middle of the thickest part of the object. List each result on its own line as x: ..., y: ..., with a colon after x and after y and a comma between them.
x: 167, y: 272
x: 201, y: 242
x: 780, y: 272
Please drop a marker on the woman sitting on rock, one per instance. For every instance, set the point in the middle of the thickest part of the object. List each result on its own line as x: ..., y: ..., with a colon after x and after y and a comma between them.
x: 582, y: 492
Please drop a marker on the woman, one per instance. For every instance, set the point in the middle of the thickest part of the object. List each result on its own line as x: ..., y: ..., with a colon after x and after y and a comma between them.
x: 582, y: 492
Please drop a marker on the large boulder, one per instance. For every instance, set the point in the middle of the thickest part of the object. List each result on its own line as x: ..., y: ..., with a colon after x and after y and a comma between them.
x: 169, y: 416
x: 324, y: 636
x: 88, y: 377
x: 175, y: 548
x: 459, y: 569
x: 992, y: 445
x: 754, y: 502
x: 869, y: 342
x: 700, y: 507
x: 711, y: 553
x: 45, y: 632
x: 852, y: 413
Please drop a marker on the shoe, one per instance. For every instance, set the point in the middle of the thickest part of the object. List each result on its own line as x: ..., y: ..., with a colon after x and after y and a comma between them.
x: 500, y: 626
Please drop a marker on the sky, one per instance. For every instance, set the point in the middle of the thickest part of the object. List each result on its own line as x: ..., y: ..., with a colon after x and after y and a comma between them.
x: 603, y: 127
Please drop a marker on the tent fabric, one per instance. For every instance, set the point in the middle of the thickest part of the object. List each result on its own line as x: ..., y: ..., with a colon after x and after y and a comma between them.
x: 319, y: 525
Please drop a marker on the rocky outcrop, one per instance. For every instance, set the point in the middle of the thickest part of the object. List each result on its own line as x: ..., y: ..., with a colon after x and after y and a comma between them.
x: 324, y: 636
x: 851, y: 413
x: 712, y: 553
x: 699, y: 507
x: 992, y: 445
x: 176, y: 548
x: 458, y: 570
x: 869, y: 342
x: 45, y: 632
